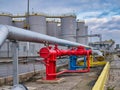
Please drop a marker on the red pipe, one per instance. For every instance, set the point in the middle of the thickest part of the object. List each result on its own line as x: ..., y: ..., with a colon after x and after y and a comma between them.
x: 50, y: 56
x: 85, y: 70
x: 88, y: 61
x: 76, y: 71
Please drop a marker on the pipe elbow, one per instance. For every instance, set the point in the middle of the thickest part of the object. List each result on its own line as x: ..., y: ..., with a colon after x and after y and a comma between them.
x: 3, y: 34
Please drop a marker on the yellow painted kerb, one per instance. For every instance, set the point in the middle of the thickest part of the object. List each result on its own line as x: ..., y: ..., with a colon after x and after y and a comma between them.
x: 100, y: 83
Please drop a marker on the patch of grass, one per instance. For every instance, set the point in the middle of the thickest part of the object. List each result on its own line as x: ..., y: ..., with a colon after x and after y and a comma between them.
x: 92, y: 83
x: 110, y: 88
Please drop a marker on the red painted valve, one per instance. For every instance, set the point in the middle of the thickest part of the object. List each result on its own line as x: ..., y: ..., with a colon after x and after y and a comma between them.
x: 45, y: 52
x: 50, y: 55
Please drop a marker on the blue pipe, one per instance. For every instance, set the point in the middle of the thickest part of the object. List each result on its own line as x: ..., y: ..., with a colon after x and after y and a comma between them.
x: 73, y: 63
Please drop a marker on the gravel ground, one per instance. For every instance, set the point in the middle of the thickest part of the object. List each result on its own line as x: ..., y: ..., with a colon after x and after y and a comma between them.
x: 114, y: 75
x: 73, y: 81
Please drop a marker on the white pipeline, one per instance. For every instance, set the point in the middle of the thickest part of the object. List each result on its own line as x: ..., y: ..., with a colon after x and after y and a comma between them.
x: 14, y: 33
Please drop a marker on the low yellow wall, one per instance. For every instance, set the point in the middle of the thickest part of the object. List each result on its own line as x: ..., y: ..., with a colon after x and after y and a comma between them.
x: 100, y: 83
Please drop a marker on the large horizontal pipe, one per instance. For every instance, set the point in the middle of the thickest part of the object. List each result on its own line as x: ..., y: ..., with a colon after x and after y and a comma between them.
x: 3, y: 34
x: 13, y: 33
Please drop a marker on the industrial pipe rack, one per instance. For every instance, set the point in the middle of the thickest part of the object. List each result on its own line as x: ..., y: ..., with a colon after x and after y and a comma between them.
x: 17, y: 34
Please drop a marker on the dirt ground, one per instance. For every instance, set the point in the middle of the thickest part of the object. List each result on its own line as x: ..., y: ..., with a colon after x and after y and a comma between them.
x: 73, y: 81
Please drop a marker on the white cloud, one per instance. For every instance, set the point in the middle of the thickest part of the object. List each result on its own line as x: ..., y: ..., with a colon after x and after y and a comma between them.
x: 102, y: 16
x: 108, y: 27
x: 49, y: 6
x: 89, y: 14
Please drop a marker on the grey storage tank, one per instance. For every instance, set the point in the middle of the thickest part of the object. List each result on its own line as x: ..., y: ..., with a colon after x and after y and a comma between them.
x: 82, y: 30
x: 59, y: 31
x: 86, y: 33
x: 5, y: 19
x: 37, y: 23
x: 52, y: 28
x: 68, y: 28
x: 19, y: 24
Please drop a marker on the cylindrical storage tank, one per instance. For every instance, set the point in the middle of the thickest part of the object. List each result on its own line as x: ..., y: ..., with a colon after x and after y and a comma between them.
x: 19, y: 24
x: 68, y: 28
x: 59, y: 31
x: 86, y: 33
x: 5, y: 19
x: 37, y: 23
x: 81, y: 32
x: 52, y: 28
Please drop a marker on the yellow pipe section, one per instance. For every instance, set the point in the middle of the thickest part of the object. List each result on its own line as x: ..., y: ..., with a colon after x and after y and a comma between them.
x: 100, y: 83
x: 93, y: 63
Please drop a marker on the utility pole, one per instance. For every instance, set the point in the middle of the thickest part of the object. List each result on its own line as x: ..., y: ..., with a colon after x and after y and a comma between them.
x: 28, y: 26
x: 27, y: 16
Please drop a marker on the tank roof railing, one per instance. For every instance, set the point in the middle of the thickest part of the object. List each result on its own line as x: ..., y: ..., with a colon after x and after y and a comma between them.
x: 23, y: 15
x: 43, y: 14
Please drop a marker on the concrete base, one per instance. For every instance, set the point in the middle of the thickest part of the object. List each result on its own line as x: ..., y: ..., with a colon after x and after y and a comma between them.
x: 32, y: 88
x: 58, y: 80
x: 10, y: 87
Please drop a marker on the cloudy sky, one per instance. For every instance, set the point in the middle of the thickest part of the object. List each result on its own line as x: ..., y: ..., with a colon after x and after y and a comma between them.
x: 101, y: 16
